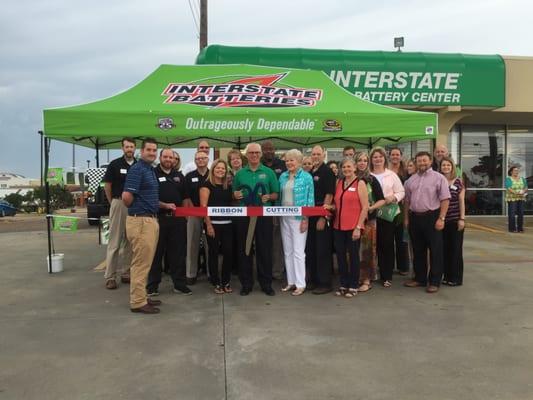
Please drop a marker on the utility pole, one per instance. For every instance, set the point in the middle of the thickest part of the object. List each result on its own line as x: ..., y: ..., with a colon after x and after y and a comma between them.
x: 203, y: 24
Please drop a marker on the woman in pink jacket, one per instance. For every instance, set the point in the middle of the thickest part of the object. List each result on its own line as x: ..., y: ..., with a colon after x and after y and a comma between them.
x: 394, y: 193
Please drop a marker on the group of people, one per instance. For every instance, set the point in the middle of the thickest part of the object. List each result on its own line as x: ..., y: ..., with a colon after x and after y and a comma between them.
x: 379, y: 211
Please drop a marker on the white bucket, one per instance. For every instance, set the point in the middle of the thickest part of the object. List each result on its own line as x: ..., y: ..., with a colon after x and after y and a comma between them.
x: 57, y: 262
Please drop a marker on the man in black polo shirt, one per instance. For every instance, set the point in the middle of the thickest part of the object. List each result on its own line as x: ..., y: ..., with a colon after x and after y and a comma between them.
x: 270, y: 160
x: 172, y: 243
x: 195, y: 225
x: 318, y: 255
x: 118, y: 249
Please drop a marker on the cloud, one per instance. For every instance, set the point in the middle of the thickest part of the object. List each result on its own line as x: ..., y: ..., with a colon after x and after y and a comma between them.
x: 60, y: 52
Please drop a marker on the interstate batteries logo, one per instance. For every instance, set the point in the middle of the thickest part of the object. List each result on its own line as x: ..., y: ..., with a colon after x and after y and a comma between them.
x: 251, y: 91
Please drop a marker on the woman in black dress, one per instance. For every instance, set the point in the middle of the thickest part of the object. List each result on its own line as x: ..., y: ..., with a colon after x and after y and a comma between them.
x: 215, y: 192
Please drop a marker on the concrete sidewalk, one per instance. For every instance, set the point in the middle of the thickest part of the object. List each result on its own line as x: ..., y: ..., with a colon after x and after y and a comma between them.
x: 65, y: 337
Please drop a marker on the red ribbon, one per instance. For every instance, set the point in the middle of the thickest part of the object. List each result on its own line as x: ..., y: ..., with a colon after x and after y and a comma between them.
x: 250, y: 211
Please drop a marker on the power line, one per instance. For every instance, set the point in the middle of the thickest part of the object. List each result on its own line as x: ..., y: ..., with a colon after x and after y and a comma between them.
x: 195, y: 19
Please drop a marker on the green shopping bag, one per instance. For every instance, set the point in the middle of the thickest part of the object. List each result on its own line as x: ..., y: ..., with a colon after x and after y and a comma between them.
x: 388, y: 212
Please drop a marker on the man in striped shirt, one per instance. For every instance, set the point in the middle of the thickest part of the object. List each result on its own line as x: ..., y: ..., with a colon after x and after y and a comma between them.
x: 141, y: 196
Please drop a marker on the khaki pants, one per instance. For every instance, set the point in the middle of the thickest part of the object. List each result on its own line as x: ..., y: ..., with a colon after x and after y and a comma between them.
x: 143, y: 233
x: 118, y: 249
x: 195, y: 226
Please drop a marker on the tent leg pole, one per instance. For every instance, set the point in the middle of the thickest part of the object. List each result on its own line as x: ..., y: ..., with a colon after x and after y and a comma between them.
x: 47, y: 202
x: 97, y: 148
x: 42, y: 146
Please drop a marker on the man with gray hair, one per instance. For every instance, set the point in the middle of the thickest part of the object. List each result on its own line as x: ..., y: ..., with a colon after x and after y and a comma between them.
x: 256, y: 185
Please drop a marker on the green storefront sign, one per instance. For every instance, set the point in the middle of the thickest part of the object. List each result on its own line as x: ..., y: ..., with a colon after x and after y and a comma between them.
x: 392, y: 78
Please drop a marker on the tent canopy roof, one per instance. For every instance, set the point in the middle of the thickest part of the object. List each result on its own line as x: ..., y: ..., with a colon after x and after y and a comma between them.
x: 232, y: 105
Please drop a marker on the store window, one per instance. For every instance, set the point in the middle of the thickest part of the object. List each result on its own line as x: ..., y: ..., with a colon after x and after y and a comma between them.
x: 482, y: 156
x: 482, y: 162
x: 520, y: 153
x: 454, y: 144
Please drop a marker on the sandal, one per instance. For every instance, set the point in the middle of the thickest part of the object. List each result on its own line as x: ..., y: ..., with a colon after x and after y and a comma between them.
x: 340, y: 291
x: 228, y: 289
x: 350, y: 293
x: 387, y: 284
x: 298, y: 292
x: 219, y: 290
x: 364, y: 287
x: 288, y: 288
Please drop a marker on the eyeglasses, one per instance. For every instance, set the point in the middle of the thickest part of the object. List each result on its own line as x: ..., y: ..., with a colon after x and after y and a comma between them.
x: 201, y: 158
x: 253, y: 152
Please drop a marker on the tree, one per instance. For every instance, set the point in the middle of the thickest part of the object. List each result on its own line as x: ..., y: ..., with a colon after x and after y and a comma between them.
x: 59, y: 197
x: 15, y: 199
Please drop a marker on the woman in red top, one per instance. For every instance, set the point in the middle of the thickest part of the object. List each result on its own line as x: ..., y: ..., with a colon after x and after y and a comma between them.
x: 351, y: 209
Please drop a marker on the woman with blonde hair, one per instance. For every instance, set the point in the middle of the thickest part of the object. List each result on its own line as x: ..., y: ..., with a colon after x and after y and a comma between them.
x: 454, y: 225
x: 296, y: 189
x: 215, y: 191
x: 393, y: 192
x: 368, y: 238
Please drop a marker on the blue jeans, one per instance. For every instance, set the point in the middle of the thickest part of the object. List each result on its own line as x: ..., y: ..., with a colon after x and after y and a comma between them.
x: 516, y: 209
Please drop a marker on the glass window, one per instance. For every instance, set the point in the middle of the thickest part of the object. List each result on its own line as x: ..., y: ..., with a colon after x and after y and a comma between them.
x: 484, y: 202
x: 70, y: 178
x: 520, y: 151
x: 482, y: 156
x: 454, y: 144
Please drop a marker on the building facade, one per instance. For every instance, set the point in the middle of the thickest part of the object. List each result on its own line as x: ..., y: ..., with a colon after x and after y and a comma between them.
x: 484, y: 104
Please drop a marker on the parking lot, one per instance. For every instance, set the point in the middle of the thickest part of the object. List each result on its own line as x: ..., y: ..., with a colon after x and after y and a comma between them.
x: 64, y: 336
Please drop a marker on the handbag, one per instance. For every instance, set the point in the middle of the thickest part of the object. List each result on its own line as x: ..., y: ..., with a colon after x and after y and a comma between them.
x: 388, y: 212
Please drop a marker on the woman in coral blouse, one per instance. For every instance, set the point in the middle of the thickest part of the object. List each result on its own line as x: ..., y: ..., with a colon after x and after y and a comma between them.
x: 351, y: 209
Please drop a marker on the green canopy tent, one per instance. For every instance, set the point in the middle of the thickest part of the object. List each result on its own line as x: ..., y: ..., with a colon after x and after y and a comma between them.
x: 232, y: 105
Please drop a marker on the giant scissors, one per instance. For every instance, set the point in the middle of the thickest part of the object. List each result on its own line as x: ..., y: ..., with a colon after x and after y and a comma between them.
x: 252, y: 197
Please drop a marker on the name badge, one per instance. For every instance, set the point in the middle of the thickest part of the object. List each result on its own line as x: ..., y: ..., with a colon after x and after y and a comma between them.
x: 262, y: 176
x: 194, y: 179
x: 352, y: 189
x: 162, y: 179
x: 453, y: 187
x: 123, y: 171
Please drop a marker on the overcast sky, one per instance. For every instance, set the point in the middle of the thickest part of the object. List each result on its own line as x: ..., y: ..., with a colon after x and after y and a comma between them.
x: 62, y: 52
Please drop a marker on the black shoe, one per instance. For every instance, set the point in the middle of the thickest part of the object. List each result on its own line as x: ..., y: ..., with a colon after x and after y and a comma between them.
x: 269, y: 292
x: 191, y: 281
x: 245, y: 291
x: 182, y: 290
x: 152, y: 292
x: 310, y: 286
x: 322, y: 290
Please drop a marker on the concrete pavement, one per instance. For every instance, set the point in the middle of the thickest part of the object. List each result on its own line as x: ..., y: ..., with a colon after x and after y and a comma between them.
x: 64, y: 336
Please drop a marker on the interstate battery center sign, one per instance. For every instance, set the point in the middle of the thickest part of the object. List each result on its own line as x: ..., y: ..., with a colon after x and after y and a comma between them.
x: 385, y: 77
x: 456, y: 81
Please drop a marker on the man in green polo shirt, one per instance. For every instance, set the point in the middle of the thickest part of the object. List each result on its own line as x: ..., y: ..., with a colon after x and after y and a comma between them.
x: 255, y: 185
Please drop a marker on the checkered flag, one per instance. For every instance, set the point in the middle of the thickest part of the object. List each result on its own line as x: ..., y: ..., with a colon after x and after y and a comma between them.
x: 94, y: 178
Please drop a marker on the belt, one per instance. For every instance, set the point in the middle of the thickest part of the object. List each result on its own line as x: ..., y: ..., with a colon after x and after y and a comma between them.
x: 144, y: 215
x: 423, y: 214
x: 166, y: 214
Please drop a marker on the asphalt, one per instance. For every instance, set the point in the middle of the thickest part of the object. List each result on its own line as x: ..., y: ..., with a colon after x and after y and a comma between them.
x: 64, y: 336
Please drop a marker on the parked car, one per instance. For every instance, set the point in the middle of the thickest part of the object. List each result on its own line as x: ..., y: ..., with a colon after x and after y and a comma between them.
x: 6, y: 209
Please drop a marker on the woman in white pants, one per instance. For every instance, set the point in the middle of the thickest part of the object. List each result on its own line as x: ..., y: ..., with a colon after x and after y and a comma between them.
x: 296, y: 189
